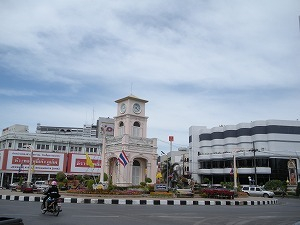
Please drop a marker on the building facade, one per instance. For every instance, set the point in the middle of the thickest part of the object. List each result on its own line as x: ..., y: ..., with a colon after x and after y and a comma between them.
x: 64, y: 149
x: 262, y: 149
x: 130, y: 136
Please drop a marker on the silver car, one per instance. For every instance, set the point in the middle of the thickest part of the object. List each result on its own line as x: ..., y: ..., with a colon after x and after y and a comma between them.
x: 257, y: 191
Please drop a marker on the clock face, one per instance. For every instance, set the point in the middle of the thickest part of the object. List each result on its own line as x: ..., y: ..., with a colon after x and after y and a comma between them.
x: 123, y: 108
x: 136, y: 108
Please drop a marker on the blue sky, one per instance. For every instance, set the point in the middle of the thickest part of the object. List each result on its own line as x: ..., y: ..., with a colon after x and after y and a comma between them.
x: 202, y: 63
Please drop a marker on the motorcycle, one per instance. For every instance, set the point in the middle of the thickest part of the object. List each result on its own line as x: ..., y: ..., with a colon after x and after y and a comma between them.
x: 53, y: 205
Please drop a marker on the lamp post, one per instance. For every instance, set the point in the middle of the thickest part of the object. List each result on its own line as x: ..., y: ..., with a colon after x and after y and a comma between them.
x: 249, y: 178
x: 254, y: 161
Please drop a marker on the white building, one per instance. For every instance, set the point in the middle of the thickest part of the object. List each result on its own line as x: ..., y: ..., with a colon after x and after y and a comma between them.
x: 181, y: 157
x: 15, y: 128
x: 271, y: 143
x: 63, y: 149
x: 130, y: 135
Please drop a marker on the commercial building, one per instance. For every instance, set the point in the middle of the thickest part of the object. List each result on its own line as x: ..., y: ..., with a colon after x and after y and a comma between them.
x: 63, y: 149
x: 262, y: 149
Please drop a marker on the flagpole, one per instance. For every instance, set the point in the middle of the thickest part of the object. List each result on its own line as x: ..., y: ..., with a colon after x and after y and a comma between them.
x: 103, y: 154
x: 30, y: 165
x: 234, y: 172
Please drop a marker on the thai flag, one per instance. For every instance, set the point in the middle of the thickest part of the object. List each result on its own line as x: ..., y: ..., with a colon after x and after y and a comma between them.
x: 123, y: 158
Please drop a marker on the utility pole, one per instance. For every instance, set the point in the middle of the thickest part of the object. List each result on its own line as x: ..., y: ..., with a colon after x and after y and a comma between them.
x: 254, y: 158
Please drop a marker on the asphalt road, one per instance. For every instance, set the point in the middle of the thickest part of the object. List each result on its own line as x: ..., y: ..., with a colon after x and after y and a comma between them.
x: 285, y: 213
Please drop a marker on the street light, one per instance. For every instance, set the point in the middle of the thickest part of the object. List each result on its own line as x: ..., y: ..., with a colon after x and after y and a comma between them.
x: 249, y: 178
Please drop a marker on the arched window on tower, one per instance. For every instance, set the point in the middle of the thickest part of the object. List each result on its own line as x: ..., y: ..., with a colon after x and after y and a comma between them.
x: 121, y: 128
x: 136, y: 129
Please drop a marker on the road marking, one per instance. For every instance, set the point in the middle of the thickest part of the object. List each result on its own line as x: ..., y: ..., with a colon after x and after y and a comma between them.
x: 87, y: 216
x: 183, y: 217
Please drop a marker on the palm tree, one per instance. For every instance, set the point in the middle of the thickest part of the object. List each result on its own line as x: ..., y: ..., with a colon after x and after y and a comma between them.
x: 169, y: 173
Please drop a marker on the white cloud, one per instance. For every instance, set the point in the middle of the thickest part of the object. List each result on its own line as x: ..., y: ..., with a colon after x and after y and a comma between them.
x: 197, y: 62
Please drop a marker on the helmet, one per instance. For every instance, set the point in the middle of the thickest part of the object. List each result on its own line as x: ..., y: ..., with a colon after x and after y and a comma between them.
x: 54, y: 183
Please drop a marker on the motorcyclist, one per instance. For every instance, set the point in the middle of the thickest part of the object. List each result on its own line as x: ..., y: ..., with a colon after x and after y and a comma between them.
x: 52, y: 192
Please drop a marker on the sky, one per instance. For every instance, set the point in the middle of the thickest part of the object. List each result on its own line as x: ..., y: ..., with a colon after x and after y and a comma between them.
x: 197, y: 62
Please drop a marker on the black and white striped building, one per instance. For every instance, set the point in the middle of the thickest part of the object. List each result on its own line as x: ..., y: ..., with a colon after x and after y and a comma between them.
x: 272, y: 143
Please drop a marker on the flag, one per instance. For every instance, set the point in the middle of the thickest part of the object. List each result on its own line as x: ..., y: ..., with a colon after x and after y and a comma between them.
x: 20, y: 168
x: 231, y: 171
x: 32, y: 168
x: 123, y: 158
x: 88, y: 161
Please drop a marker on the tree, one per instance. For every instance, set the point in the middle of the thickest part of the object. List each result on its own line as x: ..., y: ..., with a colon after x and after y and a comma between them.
x: 170, y: 173
x: 275, y: 185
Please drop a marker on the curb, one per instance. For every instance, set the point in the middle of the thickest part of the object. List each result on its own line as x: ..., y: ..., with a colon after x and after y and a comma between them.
x: 142, y: 201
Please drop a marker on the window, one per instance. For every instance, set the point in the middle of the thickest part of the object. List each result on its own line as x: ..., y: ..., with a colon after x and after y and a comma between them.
x: 23, y: 145
x: 74, y: 148
x: 61, y: 148
x: 42, y: 146
x: 121, y: 128
x: 91, y: 149
x: 136, y: 132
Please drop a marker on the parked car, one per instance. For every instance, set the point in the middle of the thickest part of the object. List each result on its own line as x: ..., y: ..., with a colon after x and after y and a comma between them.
x: 14, y: 186
x: 41, y: 186
x: 257, y: 191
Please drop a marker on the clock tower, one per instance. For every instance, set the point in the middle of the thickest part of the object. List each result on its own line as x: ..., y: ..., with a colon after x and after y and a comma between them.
x: 131, y: 119
x: 130, y: 138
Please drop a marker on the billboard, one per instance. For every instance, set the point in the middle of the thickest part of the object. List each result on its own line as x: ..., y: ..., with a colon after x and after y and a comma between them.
x: 77, y: 164
x: 41, y: 161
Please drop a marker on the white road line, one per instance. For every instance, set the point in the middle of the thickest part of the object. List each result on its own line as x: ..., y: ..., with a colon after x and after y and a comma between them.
x: 87, y: 216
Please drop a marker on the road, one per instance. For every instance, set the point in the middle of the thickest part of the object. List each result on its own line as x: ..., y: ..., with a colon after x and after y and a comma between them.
x: 285, y: 213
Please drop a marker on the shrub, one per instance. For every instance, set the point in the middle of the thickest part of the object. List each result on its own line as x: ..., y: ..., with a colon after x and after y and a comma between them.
x: 228, y: 185
x: 60, y: 176
x: 161, y: 194
x: 143, y: 184
x: 150, y: 187
x: 217, y: 193
x: 275, y: 185
x: 89, y: 184
x: 148, y: 180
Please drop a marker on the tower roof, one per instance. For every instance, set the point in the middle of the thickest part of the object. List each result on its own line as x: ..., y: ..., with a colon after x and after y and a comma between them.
x: 131, y: 97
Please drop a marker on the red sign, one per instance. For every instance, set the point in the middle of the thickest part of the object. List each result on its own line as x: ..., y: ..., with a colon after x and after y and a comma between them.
x: 82, y: 163
x: 171, y: 138
x: 36, y: 160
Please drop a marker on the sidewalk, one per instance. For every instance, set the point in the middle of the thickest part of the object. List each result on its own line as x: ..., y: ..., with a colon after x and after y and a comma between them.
x: 6, y: 194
